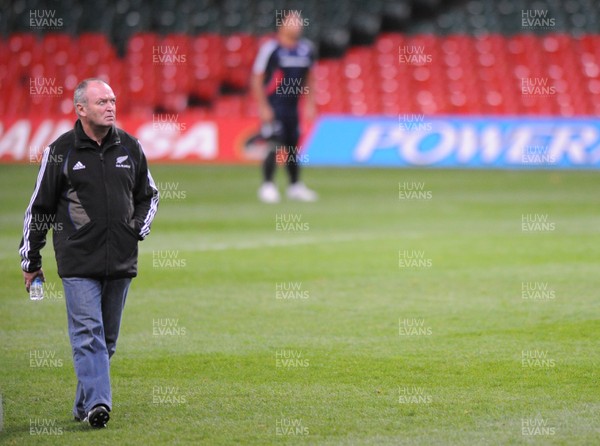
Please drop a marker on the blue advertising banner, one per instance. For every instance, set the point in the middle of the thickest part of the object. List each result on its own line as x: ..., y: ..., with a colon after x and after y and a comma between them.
x: 469, y: 142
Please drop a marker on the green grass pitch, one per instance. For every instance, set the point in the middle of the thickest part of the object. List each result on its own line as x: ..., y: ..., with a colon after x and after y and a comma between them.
x: 466, y: 314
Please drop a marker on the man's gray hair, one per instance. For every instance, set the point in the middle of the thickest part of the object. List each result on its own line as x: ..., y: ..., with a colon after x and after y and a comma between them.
x: 79, y: 94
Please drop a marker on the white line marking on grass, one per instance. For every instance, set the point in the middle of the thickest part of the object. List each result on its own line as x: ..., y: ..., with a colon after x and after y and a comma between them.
x: 276, y: 242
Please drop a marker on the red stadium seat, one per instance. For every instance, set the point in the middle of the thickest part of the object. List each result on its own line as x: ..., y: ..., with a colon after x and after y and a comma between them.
x: 239, y: 53
x: 462, y: 74
x: 205, y: 66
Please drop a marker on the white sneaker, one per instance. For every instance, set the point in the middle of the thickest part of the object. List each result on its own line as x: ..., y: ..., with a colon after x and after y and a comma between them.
x: 300, y: 192
x: 268, y: 193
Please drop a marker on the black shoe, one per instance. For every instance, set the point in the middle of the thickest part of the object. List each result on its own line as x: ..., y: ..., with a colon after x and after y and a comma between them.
x: 78, y: 419
x: 98, y: 416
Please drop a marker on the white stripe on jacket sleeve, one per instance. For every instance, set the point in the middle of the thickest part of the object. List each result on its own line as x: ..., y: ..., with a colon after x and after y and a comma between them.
x: 265, y: 51
x: 145, y: 230
x: 24, y: 251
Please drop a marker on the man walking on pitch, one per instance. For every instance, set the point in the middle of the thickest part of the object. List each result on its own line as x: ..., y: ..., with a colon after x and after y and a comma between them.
x: 281, y: 74
x: 95, y: 188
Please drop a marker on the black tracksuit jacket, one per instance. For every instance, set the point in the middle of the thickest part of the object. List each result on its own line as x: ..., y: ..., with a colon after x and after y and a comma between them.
x: 98, y: 201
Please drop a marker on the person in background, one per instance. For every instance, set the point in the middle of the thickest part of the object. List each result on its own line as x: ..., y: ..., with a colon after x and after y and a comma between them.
x: 280, y: 76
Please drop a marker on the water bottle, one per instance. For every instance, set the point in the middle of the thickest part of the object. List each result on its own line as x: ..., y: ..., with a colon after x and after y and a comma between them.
x: 36, y: 289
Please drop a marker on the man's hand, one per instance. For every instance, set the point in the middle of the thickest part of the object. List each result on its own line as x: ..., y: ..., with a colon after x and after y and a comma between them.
x: 28, y: 277
x: 265, y: 113
x: 311, y: 98
x: 311, y: 111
